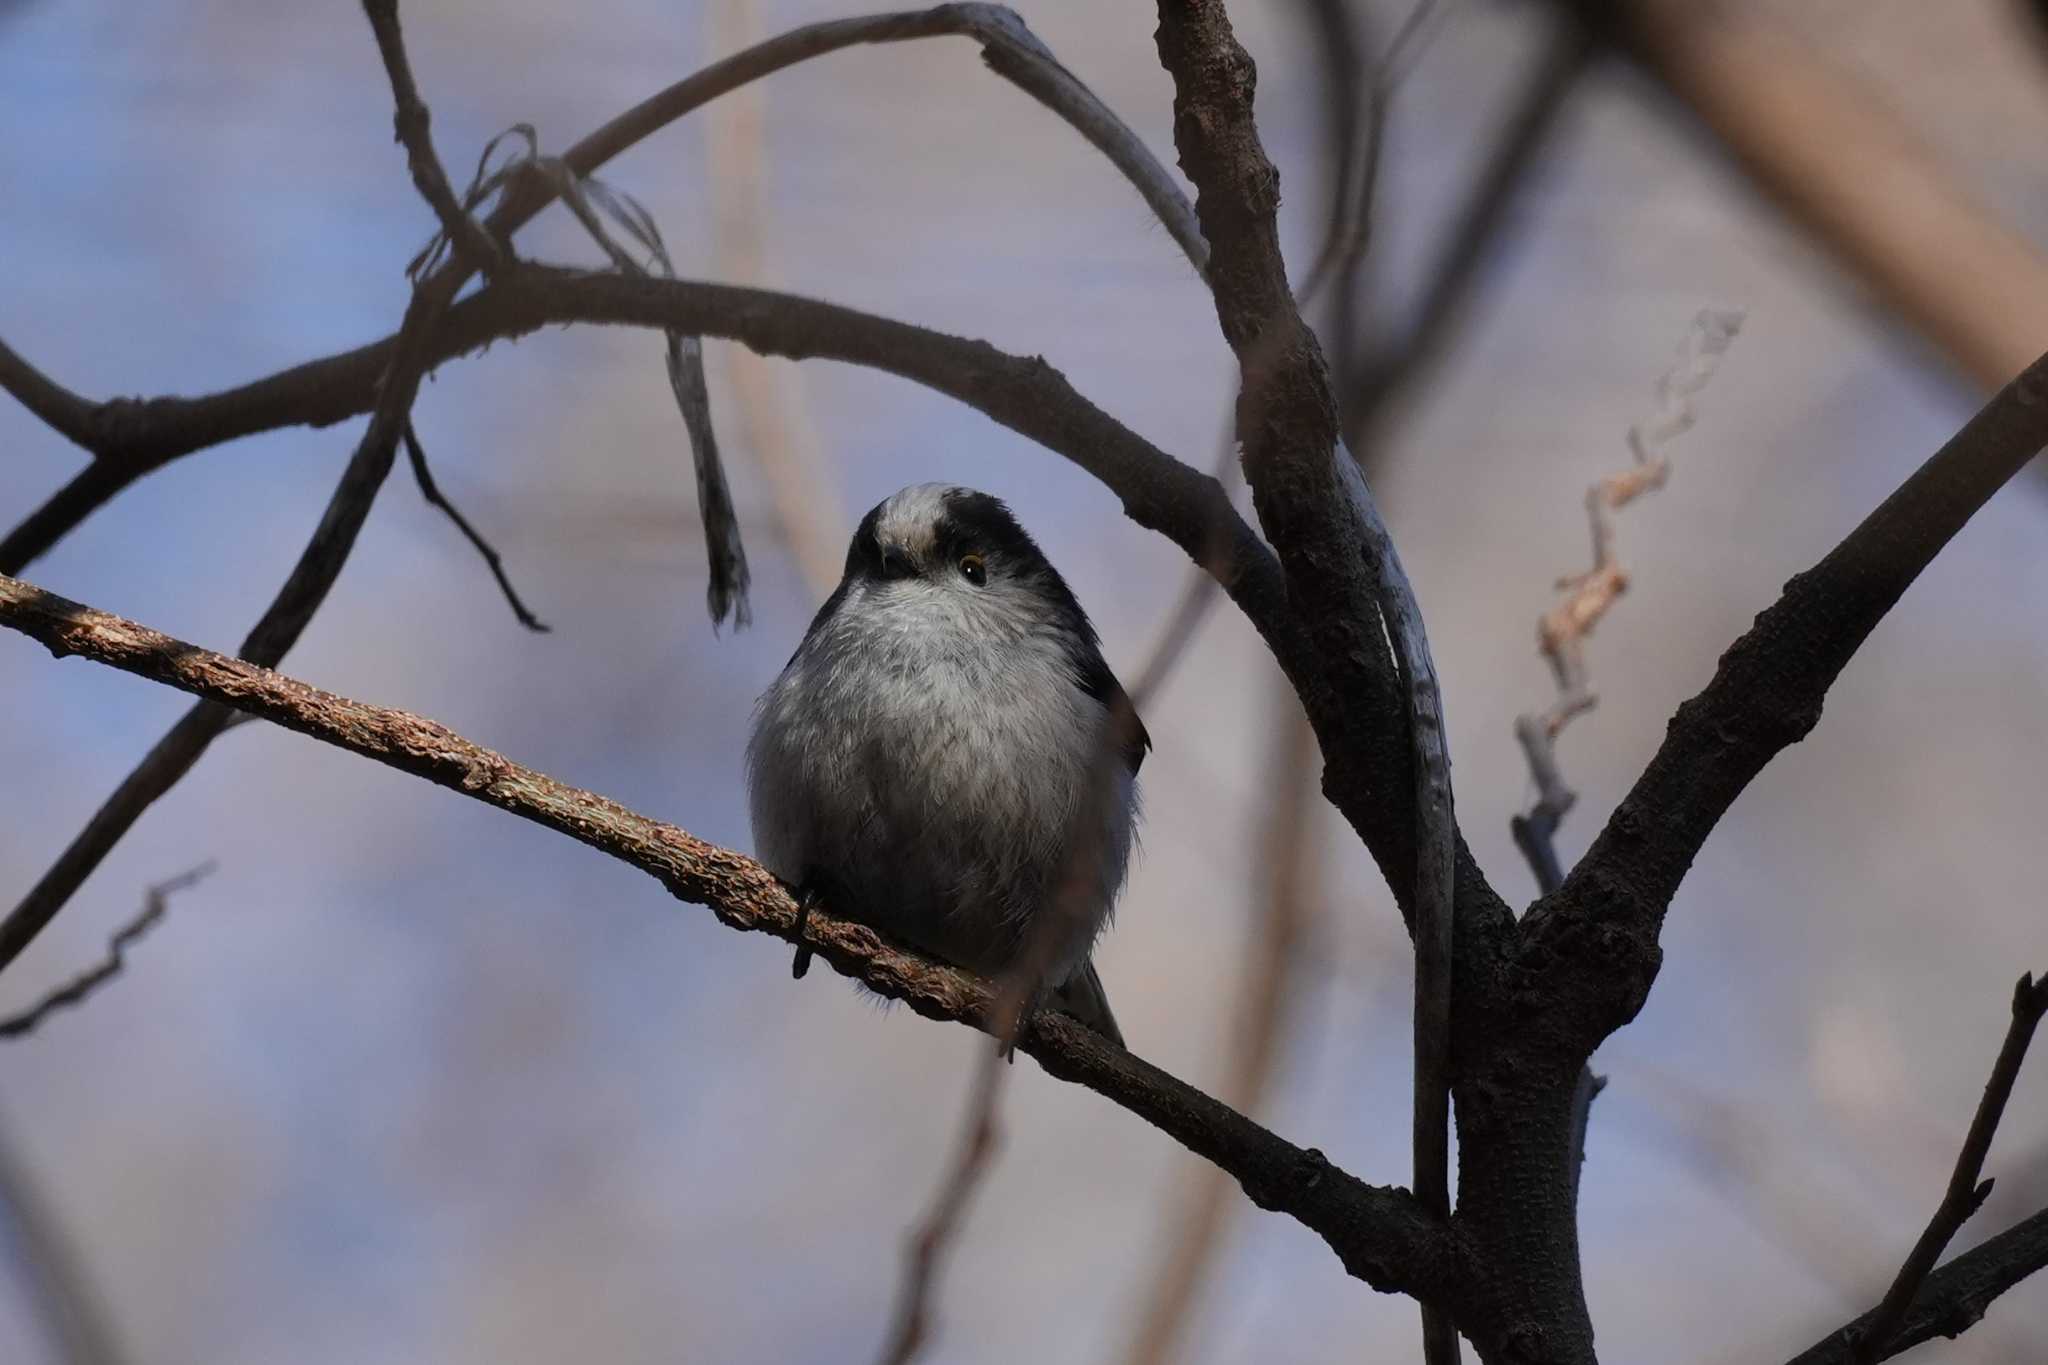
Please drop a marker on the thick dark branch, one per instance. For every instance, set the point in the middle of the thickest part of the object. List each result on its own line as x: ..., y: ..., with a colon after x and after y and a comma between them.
x: 1383, y: 1236
x: 1964, y: 1195
x: 1342, y: 572
x: 1953, y: 1299
x: 1596, y: 939
x: 130, y: 437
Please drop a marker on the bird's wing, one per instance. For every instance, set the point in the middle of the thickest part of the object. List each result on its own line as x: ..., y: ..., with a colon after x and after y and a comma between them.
x: 1094, y: 678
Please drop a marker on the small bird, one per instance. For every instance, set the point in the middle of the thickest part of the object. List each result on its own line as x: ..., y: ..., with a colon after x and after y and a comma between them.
x: 946, y: 755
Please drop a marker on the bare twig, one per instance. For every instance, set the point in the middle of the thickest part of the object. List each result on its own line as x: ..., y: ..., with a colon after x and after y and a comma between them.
x: 130, y: 438
x: 1451, y: 278
x: 417, y: 455
x: 1953, y: 1299
x: 1585, y: 598
x: 1027, y: 395
x: 155, y: 903
x: 274, y: 634
x: 410, y: 123
x: 1383, y: 1236
x: 1356, y: 127
x: 1270, y: 956
x: 1964, y: 1194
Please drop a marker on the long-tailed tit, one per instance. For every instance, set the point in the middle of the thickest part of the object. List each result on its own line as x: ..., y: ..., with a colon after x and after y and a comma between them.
x: 946, y: 757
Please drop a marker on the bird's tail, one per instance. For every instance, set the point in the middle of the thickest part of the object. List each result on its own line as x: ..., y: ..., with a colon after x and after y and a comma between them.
x: 1082, y: 997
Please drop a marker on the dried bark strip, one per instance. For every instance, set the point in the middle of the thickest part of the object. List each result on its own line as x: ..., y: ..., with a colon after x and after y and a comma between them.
x: 1593, y: 946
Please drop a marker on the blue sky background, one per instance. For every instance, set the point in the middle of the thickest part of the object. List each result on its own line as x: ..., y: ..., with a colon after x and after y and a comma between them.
x: 406, y: 1080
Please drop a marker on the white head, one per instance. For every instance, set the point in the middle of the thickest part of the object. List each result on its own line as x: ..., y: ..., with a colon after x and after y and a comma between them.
x: 949, y: 556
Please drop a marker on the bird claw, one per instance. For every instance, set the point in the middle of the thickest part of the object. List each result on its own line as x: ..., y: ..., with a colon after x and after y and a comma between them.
x: 806, y: 897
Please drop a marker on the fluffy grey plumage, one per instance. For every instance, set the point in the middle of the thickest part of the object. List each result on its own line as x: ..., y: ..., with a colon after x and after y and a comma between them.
x: 922, y: 761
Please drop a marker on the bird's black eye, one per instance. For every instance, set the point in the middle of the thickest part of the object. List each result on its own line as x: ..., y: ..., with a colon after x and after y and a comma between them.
x: 974, y: 569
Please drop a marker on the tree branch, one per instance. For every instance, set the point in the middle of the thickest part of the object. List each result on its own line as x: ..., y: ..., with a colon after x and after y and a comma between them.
x: 129, y: 438
x: 1383, y: 1236
x: 416, y: 455
x: 1595, y: 941
x: 1953, y: 1299
x: 410, y: 122
x: 1467, y: 246
x: 275, y: 632
x: 1964, y: 1195
x: 1341, y: 568
x: 156, y: 903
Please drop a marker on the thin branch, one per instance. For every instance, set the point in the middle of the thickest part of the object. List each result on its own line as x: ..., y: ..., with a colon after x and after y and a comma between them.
x: 1356, y: 125
x: 1383, y: 1236
x: 417, y: 456
x: 1964, y: 1194
x: 1468, y: 244
x: 1766, y: 695
x: 410, y: 123
x: 1585, y: 598
x: 1027, y: 395
x: 130, y: 438
x: 1954, y: 1298
x: 156, y: 902
x: 275, y: 632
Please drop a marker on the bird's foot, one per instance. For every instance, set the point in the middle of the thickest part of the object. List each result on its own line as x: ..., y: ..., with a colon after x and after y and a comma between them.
x: 806, y: 897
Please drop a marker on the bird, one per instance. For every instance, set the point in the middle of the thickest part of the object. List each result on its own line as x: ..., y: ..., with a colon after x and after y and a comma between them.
x: 947, y: 758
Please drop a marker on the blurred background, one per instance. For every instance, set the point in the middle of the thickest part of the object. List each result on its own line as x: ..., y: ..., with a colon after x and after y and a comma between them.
x: 406, y: 1080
